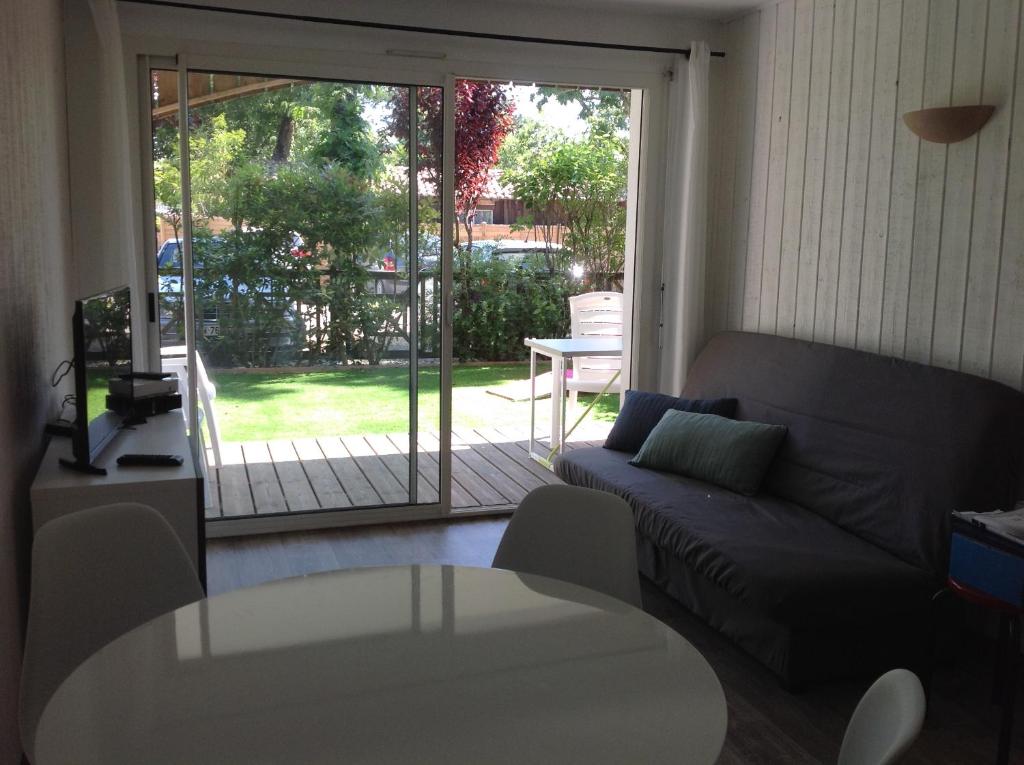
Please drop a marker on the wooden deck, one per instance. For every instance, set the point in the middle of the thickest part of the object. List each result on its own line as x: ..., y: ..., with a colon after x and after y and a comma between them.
x: 490, y: 469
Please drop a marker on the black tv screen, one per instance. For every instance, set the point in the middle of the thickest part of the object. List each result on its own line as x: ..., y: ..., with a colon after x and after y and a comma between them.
x: 103, y: 349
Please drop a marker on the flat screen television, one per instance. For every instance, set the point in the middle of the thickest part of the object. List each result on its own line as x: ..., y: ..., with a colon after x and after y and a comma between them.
x: 102, y: 336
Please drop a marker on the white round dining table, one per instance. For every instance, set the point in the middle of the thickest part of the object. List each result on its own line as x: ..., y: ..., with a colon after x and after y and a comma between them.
x: 403, y: 664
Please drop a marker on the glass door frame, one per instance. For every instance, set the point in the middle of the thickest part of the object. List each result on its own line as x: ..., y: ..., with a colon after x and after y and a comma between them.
x: 645, y: 74
x: 184, y: 64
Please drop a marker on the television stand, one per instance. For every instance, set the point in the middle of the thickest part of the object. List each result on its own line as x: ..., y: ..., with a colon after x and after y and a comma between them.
x: 174, y: 492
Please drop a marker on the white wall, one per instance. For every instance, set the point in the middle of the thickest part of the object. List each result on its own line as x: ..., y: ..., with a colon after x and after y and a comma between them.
x: 833, y: 222
x: 35, y: 311
x: 103, y: 241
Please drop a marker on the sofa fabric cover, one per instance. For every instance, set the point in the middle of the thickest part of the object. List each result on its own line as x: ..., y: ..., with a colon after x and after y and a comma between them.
x: 792, y: 563
x: 884, y: 448
x: 830, y: 569
x: 808, y: 599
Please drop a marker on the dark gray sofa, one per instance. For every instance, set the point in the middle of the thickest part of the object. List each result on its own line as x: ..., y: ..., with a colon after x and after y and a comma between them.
x: 829, y: 571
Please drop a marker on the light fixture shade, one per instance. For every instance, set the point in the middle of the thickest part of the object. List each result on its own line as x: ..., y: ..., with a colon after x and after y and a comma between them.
x: 948, y: 124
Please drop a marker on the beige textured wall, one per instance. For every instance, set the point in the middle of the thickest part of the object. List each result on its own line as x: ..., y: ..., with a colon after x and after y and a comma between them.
x: 34, y: 307
x: 833, y: 222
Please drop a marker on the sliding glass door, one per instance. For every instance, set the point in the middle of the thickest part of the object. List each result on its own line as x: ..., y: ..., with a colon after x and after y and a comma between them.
x: 298, y: 286
x: 344, y: 272
x: 544, y: 196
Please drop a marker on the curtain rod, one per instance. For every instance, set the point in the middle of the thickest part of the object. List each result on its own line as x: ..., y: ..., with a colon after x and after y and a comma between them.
x: 421, y: 30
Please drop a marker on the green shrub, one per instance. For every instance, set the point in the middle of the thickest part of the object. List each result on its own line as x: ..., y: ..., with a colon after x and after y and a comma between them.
x: 322, y: 309
x: 498, y: 304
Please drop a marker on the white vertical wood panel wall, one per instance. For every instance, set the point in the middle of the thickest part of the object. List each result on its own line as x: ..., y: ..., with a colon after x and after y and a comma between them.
x: 832, y: 222
x: 35, y: 304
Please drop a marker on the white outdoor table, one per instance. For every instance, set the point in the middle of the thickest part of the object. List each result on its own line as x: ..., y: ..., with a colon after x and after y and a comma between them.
x: 558, y: 350
x: 406, y: 664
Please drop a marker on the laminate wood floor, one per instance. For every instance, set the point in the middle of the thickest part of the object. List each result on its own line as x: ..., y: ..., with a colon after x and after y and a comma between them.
x: 767, y: 724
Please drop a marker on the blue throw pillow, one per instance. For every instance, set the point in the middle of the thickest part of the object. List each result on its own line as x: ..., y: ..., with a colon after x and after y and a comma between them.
x: 642, y: 411
x: 734, y: 454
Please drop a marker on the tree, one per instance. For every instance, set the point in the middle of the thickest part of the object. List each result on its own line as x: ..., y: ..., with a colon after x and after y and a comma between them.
x: 582, y: 183
x: 539, y: 196
x: 606, y: 110
x: 347, y: 141
x: 593, y: 203
x: 483, y: 119
x: 299, y: 161
x: 215, y: 150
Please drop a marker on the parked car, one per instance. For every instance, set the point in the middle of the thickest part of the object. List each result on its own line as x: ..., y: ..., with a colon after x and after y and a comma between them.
x: 395, y: 259
x: 514, y: 249
x: 430, y: 248
x: 517, y: 251
x: 168, y: 255
x: 171, y: 296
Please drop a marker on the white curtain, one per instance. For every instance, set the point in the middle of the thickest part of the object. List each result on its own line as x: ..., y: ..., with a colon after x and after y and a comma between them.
x: 686, y: 204
x: 105, y: 211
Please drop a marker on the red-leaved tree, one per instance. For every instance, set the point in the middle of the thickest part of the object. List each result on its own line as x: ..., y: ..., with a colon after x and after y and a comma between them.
x: 483, y: 118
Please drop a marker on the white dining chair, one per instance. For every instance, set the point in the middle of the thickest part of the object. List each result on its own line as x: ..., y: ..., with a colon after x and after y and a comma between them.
x: 886, y: 722
x: 578, y: 535
x: 96, y: 574
x: 595, y: 315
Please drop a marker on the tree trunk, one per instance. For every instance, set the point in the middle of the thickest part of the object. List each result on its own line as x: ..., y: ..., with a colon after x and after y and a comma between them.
x: 469, y: 228
x: 283, y: 147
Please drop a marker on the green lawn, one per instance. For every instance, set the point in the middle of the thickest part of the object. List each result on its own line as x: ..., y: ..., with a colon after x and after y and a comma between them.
x: 255, y: 406
x: 96, y: 391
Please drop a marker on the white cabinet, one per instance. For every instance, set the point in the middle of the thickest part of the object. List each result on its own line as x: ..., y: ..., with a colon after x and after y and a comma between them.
x: 175, y: 492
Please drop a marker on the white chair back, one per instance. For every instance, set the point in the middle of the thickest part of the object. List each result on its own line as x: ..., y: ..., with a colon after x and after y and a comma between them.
x: 595, y: 314
x: 886, y: 722
x: 96, y: 574
x: 207, y: 393
x: 578, y: 535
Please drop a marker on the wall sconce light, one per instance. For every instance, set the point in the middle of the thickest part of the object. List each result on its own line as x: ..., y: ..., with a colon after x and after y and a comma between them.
x: 948, y: 124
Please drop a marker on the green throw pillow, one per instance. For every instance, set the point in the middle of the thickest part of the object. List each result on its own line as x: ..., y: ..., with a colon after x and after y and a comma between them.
x: 733, y: 454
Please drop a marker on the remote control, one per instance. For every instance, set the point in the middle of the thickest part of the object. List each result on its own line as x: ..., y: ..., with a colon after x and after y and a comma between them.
x: 146, y: 376
x: 150, y: 460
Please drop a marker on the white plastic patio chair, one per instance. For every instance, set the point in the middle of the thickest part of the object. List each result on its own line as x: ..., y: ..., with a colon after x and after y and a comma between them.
x: 595, y: 314
x: 207, y: 393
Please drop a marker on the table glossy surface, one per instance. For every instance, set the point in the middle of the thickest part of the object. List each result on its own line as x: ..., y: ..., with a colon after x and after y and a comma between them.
x: 568, y: 347
x: 411, y: 664
x: 558, y: 350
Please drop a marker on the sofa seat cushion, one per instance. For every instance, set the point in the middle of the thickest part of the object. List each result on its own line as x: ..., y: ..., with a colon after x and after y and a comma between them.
x: 790, y: 564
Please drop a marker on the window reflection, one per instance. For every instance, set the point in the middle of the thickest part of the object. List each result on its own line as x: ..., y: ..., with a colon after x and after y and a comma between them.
x: 410, y: 605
